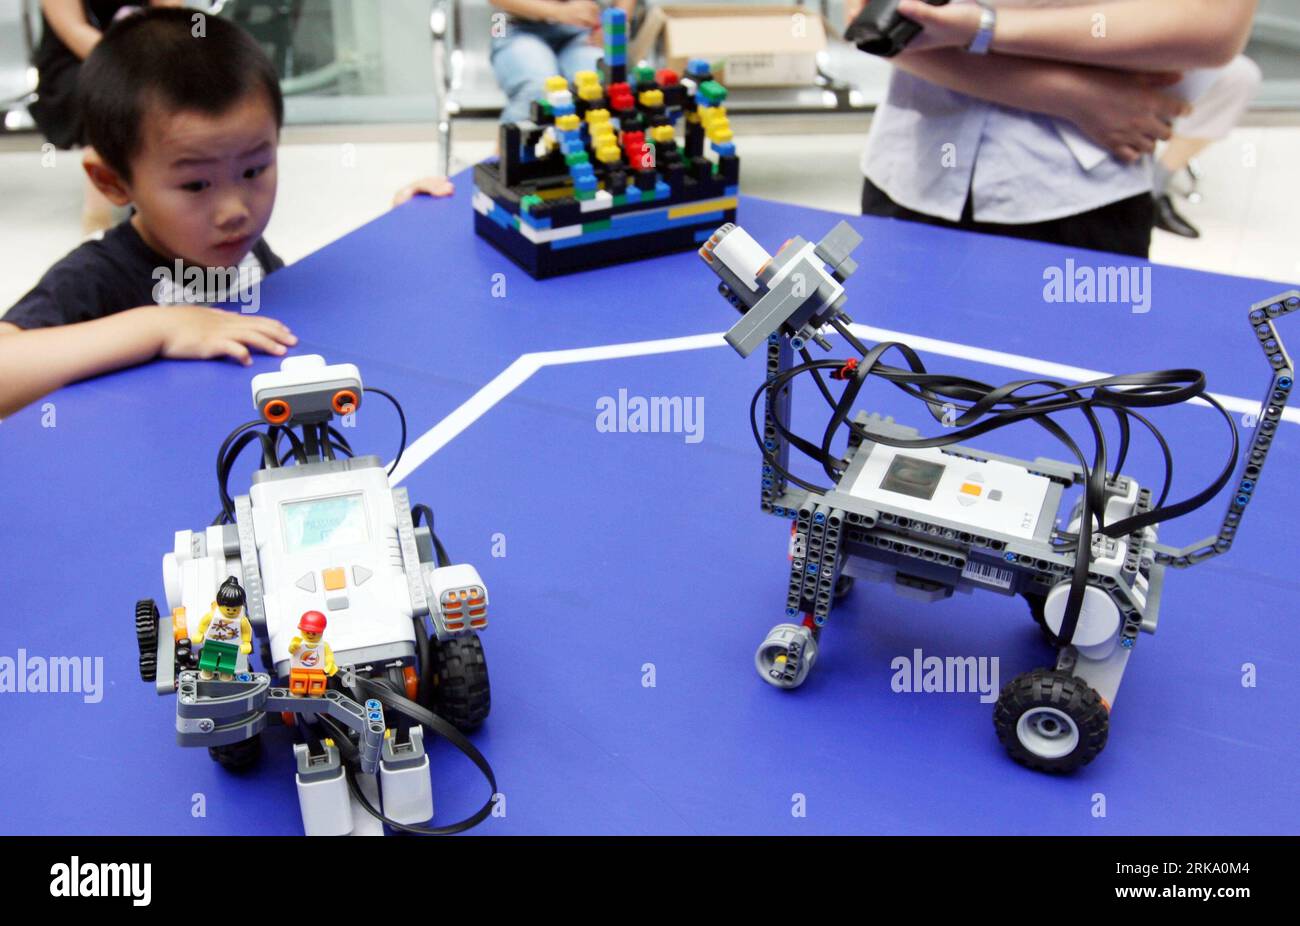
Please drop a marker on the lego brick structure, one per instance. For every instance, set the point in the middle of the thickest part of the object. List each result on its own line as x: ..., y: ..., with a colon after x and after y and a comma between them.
x: 599, y: 175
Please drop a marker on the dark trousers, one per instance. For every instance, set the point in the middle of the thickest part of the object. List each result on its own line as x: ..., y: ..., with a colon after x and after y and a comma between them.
x: 1122, y: 227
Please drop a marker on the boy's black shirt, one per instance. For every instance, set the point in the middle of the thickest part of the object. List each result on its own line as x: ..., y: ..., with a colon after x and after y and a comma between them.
x: 103, y: 277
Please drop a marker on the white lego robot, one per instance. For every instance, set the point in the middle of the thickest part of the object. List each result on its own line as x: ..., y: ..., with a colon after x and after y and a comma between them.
x: 327, y: 534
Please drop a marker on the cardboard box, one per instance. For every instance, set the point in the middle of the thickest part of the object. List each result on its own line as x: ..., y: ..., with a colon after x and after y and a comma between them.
x: 748, y: 46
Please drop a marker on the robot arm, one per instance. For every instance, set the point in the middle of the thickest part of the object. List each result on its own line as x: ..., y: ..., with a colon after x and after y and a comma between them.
x: 1263, y: 318
x: 793, y: 292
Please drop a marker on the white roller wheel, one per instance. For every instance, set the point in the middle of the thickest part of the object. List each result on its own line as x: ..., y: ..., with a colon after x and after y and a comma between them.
x: 1099, y: 619
x: 1047, y: 732
x: 786, y: 655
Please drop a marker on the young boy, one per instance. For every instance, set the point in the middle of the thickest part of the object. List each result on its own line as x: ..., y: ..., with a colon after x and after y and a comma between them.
x: 183, y: 113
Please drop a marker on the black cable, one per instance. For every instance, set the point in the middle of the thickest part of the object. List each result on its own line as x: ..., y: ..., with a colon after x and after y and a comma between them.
x: 425, y: 651
x: 1168, y: 387
x: 821, y: 385
x: 368, y: 688
x: 402, y: 417
x: 296, y: 448
x: 309, y: 443
x: 229, y: 451
x: 337, y: 440
x: 323, y: 439
x: 425, y: 512
x: 978, y: 408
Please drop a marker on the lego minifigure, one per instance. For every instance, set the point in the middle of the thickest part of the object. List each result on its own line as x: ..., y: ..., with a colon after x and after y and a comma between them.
x: 224, y: 632
x: 307, y: 654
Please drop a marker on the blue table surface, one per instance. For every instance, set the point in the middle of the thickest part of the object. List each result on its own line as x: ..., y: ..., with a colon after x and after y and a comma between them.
x: 631, y: 556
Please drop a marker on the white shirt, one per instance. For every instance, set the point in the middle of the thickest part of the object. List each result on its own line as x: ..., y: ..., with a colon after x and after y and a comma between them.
x: 222, y: 629
x: 308, y: 656
x: 930, y: 148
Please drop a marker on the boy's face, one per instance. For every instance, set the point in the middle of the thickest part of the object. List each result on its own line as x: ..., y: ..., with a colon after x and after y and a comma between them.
x: 203, y: 186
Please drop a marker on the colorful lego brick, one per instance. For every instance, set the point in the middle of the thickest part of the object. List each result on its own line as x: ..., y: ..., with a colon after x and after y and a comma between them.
x: 600, y: 175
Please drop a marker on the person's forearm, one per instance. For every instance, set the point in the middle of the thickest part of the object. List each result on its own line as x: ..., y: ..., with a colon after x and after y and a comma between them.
x: 1139, y: 35
x: 37, y: 362
x: 68, y: 20
x: 537, y: 10
x: 1022, y: 83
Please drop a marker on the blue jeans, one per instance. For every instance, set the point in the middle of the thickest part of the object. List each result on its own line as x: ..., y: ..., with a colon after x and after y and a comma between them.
x: 529, y: 53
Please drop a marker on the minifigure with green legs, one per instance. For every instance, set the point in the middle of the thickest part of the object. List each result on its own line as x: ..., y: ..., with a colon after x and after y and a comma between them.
x: 224, y: 632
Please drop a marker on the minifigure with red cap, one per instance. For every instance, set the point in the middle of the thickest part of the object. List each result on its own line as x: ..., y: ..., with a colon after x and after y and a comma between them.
x: 311, y: 661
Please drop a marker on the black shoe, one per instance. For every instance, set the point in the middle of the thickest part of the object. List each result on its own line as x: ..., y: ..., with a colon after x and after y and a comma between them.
x: 1167, y: 218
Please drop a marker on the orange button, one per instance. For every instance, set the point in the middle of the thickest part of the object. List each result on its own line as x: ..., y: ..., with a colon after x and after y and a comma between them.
x: 970, y: 488
x: 334, y: 579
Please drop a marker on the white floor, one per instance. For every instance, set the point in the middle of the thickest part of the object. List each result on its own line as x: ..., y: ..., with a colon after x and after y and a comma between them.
x: 333, y: 180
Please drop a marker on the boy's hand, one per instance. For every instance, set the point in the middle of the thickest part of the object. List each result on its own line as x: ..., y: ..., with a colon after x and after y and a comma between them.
x: 192, y: 332
x: 425, y: 186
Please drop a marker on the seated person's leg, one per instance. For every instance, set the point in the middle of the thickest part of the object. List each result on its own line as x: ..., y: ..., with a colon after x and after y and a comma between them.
x: 1213, y: 116
x: 522, y: 61
x: 577, y: 54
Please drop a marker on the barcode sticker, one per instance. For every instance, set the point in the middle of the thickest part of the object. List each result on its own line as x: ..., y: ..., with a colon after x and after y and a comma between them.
x: 988, y: 573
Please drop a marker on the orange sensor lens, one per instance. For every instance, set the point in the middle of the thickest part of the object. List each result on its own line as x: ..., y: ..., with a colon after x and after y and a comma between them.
x: 277, y: 411
x: 345, y: 401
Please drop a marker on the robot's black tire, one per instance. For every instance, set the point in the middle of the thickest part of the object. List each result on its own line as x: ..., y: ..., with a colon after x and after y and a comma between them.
x: 146, y: 637
x: 461, y: 693
x: 1036, y: 605
x: 236, y: 757
x: 843, y: 585
x: 1051, y: 721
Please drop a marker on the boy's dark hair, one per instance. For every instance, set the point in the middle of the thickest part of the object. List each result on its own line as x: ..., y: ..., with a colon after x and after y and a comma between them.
x: 231, y: 594
x: 170, y: 57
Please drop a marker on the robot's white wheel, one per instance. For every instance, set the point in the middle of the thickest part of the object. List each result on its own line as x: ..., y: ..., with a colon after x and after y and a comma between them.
x: 786, y: 655
x: 1047, y: 732
x: 1051, y: 721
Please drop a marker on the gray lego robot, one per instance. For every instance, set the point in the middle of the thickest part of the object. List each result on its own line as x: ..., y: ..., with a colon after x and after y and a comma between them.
x: 933, y: 516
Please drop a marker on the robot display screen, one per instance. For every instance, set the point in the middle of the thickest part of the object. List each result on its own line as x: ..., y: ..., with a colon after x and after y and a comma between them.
x: 321, y: 522
x: 910, y: 476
